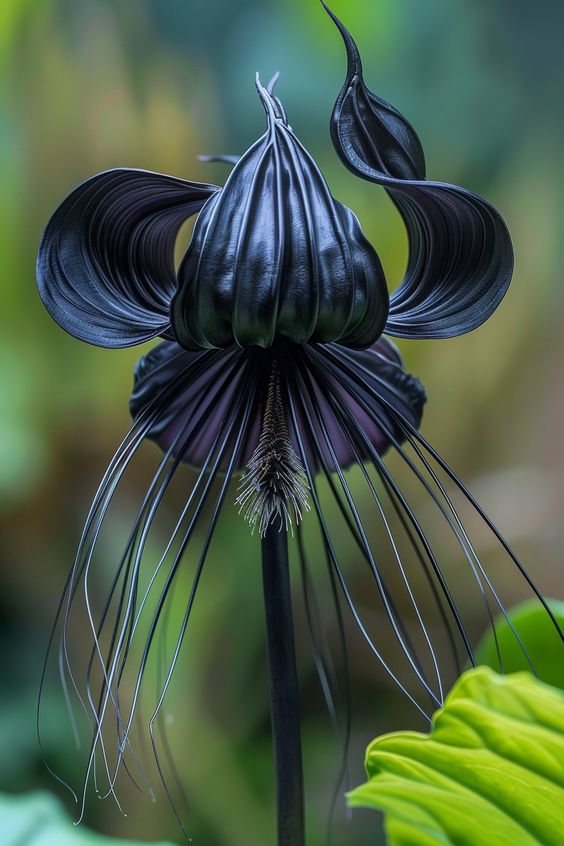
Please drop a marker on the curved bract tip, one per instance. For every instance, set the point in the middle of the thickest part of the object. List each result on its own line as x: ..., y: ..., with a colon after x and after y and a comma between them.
x: 271, y: 85
x: 367, y: 132
x: 353, y: 54
x: 272, y: 105
x: 460, y: 254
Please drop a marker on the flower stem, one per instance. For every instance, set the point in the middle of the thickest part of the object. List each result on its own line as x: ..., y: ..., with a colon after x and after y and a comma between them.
x: 284, y: 700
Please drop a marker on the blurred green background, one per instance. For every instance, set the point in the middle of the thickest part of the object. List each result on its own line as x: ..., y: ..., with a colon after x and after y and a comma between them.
x: 92, y: 84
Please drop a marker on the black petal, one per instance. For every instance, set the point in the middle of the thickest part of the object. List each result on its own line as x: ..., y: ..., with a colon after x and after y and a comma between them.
x: 189, y: 385
x: 105, y: 267
x: 328, y: 369
x: 460, y: 253
x: 202, y: 385
x: 275, y: 256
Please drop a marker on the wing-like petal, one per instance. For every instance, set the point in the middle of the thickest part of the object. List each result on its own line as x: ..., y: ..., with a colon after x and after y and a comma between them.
x: 105, y: 268
x: 460, y: 253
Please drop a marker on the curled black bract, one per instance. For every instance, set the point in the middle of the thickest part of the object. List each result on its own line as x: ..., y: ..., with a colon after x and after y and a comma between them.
x: 105, y: 266
x: 275, y: 256
x: 460, y: 254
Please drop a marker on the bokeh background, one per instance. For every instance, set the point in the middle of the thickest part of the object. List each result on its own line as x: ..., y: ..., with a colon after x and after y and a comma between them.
x: 92, y: 84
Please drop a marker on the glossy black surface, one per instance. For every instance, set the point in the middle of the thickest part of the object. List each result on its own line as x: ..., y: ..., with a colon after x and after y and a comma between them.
x: 460, y: 253
x: 275, y: 256
x: 105, y: 267
x: 204, y: 388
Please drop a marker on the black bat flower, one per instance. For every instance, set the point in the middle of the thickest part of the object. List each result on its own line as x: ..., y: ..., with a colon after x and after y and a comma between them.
x: 275, y: 369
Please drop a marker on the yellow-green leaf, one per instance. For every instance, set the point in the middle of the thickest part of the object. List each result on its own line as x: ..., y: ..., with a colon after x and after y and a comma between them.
x: 490, y: 772
x: 537, y: 632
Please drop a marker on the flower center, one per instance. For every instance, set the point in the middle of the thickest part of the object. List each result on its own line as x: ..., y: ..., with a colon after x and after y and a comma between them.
x: 274, y: 487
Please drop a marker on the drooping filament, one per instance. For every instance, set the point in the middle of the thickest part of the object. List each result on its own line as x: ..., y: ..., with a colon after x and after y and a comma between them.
x: 274, y: 488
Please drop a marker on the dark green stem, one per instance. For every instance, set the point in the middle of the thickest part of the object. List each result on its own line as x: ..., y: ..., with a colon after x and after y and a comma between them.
x: 284, y: 699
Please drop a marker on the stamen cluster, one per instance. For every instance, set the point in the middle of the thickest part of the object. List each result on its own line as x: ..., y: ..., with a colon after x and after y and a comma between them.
x: 275, y: 486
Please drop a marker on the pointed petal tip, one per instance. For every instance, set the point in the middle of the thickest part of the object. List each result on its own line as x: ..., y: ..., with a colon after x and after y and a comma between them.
x: 353, y: 53
x: 272, y: 104
x: 264, y: 95
x: 272, y: 84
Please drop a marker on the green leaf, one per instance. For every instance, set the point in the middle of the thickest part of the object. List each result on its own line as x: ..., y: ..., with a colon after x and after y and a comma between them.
x: 537, y: 631
x: 37, y: 819
x: 490, y: 773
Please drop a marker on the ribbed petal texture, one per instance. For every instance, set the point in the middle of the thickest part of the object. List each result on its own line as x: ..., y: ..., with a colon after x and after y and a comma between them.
x: 105, y: 268
x: 460, y: 253
x: 275, y: 256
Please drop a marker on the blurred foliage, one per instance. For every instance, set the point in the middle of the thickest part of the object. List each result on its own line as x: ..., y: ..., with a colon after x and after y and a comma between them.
x: 497, y: 742
x: 40, y: 820
x: 529, y: 623
x: 91, y: 84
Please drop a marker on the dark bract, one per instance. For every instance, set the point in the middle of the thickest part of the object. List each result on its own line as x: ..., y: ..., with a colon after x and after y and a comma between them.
x: 274, y: 256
